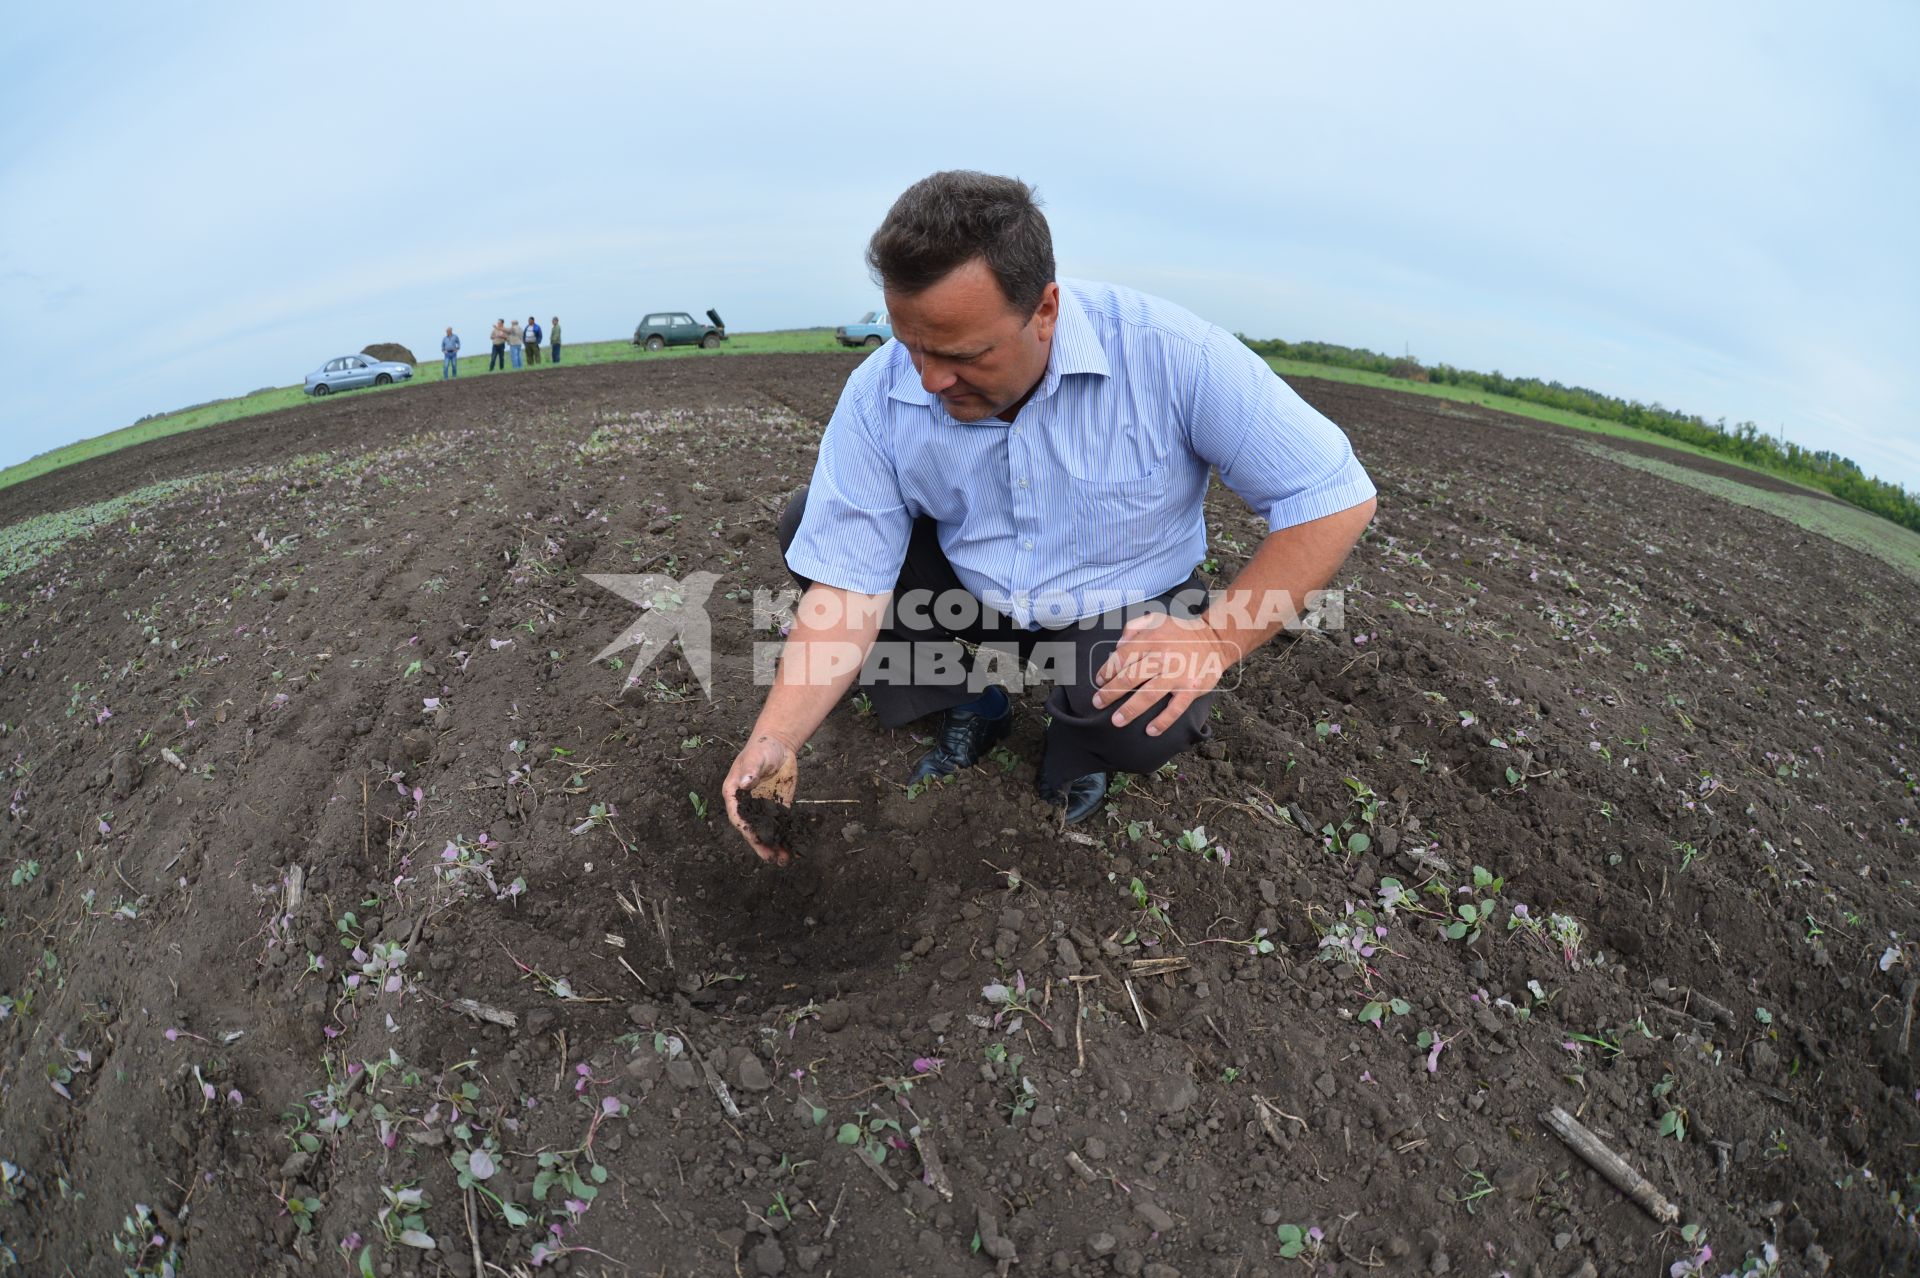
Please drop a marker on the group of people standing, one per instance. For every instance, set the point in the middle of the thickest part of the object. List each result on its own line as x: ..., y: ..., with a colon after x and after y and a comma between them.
x: 509, y: 341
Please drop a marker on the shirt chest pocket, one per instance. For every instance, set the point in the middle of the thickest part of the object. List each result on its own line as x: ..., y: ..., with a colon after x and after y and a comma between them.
x: 1118, y: 521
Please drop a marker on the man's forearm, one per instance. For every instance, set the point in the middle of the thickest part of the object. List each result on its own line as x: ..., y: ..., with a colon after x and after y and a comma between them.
x: 1270, y: 593
x: 832, y: 633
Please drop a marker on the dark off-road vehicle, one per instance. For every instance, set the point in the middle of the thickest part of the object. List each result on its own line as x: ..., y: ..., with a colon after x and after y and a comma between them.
x: 677, y: 328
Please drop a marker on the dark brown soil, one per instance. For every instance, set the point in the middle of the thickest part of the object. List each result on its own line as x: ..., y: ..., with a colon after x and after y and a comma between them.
x: 391, y: 351
x: 408, y: 806
x: 773, y: 824
x: 1672, y: 456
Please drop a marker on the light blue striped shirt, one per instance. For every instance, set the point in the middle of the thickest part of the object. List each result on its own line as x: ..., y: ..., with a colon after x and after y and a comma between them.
x: 1092, y: 495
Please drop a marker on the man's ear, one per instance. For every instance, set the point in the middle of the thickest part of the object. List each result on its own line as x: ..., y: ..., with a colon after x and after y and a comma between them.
x: 1047, y: 314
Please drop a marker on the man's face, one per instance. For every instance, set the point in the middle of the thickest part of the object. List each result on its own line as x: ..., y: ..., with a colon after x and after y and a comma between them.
x: 978, y: 354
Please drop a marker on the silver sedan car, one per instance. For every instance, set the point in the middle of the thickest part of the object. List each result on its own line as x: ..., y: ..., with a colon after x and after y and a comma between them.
x: 350, y: 371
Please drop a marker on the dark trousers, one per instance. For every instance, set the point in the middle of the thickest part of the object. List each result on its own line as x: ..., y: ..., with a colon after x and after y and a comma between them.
x: 1080, y: 739
x: 533, y: 352
x: 556, y: 352
x: 499, y: 357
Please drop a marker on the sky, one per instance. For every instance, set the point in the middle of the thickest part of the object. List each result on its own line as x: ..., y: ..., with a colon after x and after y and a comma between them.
x: 1709, y: 205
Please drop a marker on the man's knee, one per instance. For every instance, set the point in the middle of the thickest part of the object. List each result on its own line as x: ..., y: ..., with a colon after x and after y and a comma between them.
x: 790, y: 528
x: 1092, y: 733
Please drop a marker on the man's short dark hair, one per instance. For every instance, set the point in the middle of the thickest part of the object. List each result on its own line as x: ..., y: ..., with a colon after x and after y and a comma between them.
x: 947, y: 220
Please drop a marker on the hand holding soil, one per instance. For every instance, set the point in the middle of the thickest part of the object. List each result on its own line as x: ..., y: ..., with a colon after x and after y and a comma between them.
x: 759, y: 791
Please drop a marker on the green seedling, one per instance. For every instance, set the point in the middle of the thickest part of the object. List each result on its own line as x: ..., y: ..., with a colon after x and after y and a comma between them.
x: 25, y: 872
x: 1198, y: 840
x: 144, y: 1251
x: 1376, y: 1013
x: 1352, y: 940
x: 699, y: 804
x: 403, y: 1221
x: 1673, y: 1121
x: 1610, y: 1046
x: 476, y: 1166
x: 1482, y: 1187
x: 869, y: 1134
x: 302, y: 1210
x: 1300, y: 1242
x: 1472, y: 915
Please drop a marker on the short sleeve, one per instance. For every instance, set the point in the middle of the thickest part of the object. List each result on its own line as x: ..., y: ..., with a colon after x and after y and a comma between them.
x: 1280, y: 454
x: 853, y: 535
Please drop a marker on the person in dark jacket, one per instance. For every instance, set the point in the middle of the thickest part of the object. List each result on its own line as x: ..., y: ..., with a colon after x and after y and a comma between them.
x: 531, y: 335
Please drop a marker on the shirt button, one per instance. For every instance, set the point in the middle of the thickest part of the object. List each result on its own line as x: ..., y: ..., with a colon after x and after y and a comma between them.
x: 1023, y: 482
x: 1027, y: 544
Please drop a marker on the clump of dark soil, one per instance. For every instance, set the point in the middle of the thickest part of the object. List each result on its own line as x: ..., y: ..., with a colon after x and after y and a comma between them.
x: 335, y: 872
x: 774, y: 823
x: 390, y: 351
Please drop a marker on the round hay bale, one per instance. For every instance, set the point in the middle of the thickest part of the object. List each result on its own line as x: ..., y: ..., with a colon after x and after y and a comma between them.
x: 390, y: 351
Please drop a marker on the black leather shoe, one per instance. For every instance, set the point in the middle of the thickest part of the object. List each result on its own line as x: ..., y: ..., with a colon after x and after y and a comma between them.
x: 963, y: 738
x: 1081, y: 797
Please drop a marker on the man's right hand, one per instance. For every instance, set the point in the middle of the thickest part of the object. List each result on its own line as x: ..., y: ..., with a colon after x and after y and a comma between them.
x: 769, y: 767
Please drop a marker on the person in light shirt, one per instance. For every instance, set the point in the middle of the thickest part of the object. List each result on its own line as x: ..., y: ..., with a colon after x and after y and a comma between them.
x: 1022, y: 469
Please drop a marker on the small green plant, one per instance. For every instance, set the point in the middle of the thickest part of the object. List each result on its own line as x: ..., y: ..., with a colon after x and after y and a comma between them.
x: 699, y: 804
x: 1022, y: 1095
x: 1673, y: 1120
x: 1471, y: 915
x: 1300, y: 1242
x: 475, y: 1165
x: 1376, y: 1012
x: 1481, y: 1188
x: 144, y: 1251
x: 1353, y: 940
x: 869, y: 1134
x: 25, y: 872
x: 403, y: 1221
x: 302, y: 1210
x: 1198, y: 840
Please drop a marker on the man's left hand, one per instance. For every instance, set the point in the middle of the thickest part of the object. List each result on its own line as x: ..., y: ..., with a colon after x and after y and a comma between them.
x: 1160, y: 655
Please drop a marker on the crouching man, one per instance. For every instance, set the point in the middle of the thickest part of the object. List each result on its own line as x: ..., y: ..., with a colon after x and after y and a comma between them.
x: 1021, y: 471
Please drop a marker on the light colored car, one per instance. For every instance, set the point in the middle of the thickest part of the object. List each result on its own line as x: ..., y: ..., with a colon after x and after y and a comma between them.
x: 351, y: 371
x: 872, y: 330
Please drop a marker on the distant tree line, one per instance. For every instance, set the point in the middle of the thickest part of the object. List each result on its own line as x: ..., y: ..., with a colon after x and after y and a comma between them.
x: 1746, y: 442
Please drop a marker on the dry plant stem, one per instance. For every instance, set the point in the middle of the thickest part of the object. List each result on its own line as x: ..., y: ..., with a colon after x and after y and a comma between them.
x: 481, y: 1012
x: 473, y: 1234
x: 930, y: 1157
x: 1135, y: 1000
x: 666, y: 933
x: 1080, y: 1026
x: 714, y: 1081
x: 1611, y: 1165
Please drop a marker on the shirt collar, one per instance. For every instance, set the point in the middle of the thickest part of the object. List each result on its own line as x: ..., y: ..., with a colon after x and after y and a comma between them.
x: 1076, y: 349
